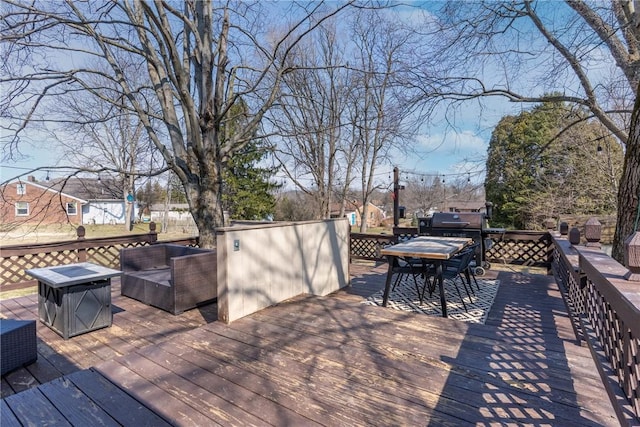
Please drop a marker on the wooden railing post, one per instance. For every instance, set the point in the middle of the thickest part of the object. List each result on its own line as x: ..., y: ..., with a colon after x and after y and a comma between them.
x: 593, y: 232
x: 564, y: 228
x: 632, y: 256
x: 82, y: 252
x: 574, y: 236
x: 153, y: 234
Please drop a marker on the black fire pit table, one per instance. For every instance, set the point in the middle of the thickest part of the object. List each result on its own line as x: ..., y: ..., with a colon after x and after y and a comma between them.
x: 75, y: 298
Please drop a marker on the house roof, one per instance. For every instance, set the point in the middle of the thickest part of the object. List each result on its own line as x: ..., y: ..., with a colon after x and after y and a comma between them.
x: 466, y: 204
x: 48, y: 186
x: 87, y: 188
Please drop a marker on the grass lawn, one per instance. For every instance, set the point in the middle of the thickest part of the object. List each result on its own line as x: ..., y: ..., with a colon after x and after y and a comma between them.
x: 55, y: 233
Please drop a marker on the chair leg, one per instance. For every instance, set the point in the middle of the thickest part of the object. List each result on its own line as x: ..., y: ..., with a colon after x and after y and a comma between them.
x: 460, y: 295
x: 420, y: 294
x: 473, y: 275
x: 468, y: 274
x: 395, y: 283
x: 467, y: 289
x: 429, y: 285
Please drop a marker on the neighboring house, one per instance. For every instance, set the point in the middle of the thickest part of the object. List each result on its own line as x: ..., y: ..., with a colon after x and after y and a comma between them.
x: 68, y: 200
x: 175, y: 211
x: 29, y: 202
x: 350, y: 212
x: 353, y: 212
x: 465, y: 206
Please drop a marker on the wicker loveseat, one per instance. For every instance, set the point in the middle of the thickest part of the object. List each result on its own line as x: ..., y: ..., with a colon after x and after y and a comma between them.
x: 172, y: 277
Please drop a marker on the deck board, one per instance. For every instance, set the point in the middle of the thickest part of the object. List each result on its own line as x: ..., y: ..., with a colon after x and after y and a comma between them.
x: 320, y: 361
x: 77, y: 407
x: 117, y: 403
x: 463, y: 370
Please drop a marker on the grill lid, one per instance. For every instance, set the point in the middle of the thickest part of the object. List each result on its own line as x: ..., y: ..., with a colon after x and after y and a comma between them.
x: 457, y: 220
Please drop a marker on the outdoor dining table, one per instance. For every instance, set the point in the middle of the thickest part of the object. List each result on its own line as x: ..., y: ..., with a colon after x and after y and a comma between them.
x: 434, y: 249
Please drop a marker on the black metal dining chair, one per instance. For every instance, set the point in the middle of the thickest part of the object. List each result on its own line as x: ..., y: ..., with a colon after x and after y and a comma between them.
x: 452, y: 271
x: 414, y: 267
x: 469, y: 272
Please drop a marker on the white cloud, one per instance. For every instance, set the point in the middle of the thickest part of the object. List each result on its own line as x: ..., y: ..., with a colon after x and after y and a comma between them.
x: 464, y: 143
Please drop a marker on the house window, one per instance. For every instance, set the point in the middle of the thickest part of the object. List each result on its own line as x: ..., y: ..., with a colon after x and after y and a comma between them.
x: 21, y: 189
x: 22, y: 209
x: 72, y: 209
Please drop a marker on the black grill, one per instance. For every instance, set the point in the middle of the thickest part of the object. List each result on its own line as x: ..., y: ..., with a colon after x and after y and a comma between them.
x: 473, y: 225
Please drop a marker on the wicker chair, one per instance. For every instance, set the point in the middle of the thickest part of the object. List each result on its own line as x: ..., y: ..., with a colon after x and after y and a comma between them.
x: 171, y: 277
x: 19, y: 344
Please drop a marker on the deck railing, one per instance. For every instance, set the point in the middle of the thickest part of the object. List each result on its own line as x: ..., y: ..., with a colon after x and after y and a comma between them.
x: 15, y: 259
x: 605, y: 308
x: 527, y: 248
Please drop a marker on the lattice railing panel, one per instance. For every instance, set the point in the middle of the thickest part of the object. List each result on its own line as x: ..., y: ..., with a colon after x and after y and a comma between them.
x: 520, y: 252
x: 12, y: 269
x: 570, y: 288
x: 109, y: 256
x: 617, y: 342
x: 367, y: 246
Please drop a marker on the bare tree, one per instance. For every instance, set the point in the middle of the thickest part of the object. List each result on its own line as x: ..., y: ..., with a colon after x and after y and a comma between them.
x: 308, y: 120
x: 108, y: 139
x: 582, y: 53
x: 201, y: 58
x: 381, y: 117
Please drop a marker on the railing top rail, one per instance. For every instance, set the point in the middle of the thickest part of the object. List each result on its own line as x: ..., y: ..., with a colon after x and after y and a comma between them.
x: 608, y: 277
x: 567, y: 251
x: 374, y: 236
x: 18, y: 250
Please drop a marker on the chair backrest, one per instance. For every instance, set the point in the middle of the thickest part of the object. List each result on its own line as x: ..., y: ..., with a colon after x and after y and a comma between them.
x: 464, y: 258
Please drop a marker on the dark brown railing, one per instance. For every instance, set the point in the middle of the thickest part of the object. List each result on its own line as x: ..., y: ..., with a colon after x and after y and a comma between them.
x: 15, y: 259
x: 527, y: 248
x: 367, y: 246
x: 606, y: 312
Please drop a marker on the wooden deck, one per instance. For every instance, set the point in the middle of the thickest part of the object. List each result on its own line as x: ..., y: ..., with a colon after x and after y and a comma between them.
x: 316, y: 361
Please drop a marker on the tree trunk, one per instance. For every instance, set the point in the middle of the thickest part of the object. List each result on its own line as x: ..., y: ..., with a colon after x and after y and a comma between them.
x: 206, y: 207
x: 629, y: 191
x: 363, y: 221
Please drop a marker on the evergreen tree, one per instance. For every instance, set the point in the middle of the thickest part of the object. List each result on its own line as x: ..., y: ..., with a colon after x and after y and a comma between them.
x: 248, y: 188
x: 550, y: 162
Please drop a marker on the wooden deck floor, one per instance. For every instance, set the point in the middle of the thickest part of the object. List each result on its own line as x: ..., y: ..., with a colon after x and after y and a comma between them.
x: 316, y: 361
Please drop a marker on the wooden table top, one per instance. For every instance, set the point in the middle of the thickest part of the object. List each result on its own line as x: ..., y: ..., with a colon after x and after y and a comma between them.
x: 431, y: 247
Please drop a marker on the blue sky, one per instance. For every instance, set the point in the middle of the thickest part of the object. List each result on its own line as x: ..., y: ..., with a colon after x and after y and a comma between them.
x: 448, y: 145
x: 439, y: 149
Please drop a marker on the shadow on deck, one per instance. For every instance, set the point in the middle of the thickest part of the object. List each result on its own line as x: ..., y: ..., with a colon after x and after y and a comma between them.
x: 319, y: 361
